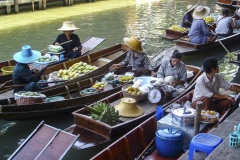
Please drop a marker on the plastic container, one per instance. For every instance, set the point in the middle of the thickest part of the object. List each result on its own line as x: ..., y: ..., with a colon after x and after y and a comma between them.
x: 169, y: 142
x: 7, y: 70
x: 61, y: 57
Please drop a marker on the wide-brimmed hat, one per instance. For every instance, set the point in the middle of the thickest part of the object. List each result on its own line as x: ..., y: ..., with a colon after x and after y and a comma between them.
x: 190, y: 8
x: 128, y: 108
x: 27, y: 55
x: 134, y: 43
x: 201, y: 12
x: 68, y: 26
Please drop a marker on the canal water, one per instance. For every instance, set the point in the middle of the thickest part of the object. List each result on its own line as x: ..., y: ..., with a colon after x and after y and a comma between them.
x: 110, y: 19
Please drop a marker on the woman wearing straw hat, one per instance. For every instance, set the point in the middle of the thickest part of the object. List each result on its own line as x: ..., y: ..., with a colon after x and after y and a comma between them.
x: 22, y: 73
x: 199, y: 33
x: 136, y: 60
x: 187, y: 19
x: 72, y: 49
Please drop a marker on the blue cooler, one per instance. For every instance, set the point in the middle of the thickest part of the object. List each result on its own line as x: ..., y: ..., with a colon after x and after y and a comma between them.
x: 169, y: 142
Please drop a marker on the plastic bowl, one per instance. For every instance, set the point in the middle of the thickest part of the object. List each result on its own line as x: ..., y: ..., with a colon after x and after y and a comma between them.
x: 7, y: 70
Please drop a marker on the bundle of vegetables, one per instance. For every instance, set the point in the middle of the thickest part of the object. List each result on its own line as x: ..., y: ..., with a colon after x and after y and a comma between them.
x: 104, y: 113
x: 45, y: 59
x: 29, y: 94
x: 178, y: 28
x: 89, y: 91
x: 54, y: 48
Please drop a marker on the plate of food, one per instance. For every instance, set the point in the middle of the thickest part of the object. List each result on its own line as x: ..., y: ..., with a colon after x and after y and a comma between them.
x: 54, y: 48
x: 125, y: 79
x: 209, y: 116
x: 46, y: 60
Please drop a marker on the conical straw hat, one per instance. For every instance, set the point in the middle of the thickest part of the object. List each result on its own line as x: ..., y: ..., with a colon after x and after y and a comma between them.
x: 201, y: 12
x: 134, y: 43
x: 129, y: 108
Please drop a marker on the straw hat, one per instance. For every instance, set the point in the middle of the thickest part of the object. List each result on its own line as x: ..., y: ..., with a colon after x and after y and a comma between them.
x: 201, y: 12
x: 134, y: 43
x: 128, y: 108
x: 68, y: 26
x: 27, y: 55
x: 190, y: 8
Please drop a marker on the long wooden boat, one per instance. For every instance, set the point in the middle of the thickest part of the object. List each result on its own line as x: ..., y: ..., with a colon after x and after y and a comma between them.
x: 139, y: 143
x: 184, y: 46
x: 173, y: 35
x: 102, y: 59
x: 95, y: 132
x: 87, y: 46
x: 227, y: 3
x: 73, y: 100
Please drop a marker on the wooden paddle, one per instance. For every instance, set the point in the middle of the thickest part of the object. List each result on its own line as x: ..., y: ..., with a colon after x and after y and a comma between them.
x: 59, y: 45
x: 221, y: 43
x: 21, y: 85
x: 148, y: 146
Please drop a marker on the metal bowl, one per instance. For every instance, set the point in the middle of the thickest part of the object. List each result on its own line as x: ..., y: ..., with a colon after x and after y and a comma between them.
x: 183, y: 118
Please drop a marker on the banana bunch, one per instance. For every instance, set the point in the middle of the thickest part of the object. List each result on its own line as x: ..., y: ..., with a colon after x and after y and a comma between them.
x: 178, y: 28
x: 209, y: 20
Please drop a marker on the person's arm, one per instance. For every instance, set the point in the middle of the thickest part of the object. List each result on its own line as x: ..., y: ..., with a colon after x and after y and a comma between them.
x: 146, y: 62
x: 160, y: 72
x: 205, y: 29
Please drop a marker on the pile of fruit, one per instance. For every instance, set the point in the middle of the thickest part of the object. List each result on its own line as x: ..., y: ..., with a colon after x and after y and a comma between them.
x: 104, y: 113
x: 178, y: 28
x: 209, y: 20
x: 75, y: 70
x: 45, y: 59
x: 209, y: 116
x: 99, y: 85
x: 133, y: 91
x: 54, y: 48
x: 89, y: 91
x: 29, y: 94
x: 125, y: 78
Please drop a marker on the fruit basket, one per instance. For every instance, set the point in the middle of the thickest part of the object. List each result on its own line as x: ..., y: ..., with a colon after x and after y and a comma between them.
x: 26, y: 97
x: 135, y: 94
x: 125, y: 79
x: 7, y: 70
x: 209, y: 116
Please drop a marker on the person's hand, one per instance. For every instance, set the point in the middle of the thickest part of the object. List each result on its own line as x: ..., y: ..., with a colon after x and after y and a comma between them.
x: 75, y: 49
x: 153, y: 74
x: 56, y: 44
x: 231, y: 99
x: 113, y: 67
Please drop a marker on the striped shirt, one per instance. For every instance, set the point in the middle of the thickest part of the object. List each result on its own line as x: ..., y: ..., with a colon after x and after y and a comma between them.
x: 138, y: 62
x: 205, y: 88
x: 166, y: 69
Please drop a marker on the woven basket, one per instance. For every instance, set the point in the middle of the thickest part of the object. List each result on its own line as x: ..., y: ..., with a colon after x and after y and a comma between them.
x: 136, y: 97
x: 22, y: 100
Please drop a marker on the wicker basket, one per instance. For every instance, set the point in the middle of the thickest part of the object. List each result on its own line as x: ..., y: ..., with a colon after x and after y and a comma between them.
x: 136, y: 97
x: 22, y: 100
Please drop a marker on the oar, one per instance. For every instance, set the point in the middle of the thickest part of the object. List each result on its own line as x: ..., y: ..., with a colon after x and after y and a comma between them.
x: 22, y: 85
x: 59, y: 45
x: 148, y: 146
x: 221, y: 43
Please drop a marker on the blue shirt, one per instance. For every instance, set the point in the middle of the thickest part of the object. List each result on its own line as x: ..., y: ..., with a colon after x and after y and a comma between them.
x: 198, y: 32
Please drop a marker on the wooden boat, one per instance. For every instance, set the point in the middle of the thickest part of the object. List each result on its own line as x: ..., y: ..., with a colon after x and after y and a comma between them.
x: 184, y: 46
x: 87, y: 46
x: 227, y: 3
x: 139, y: 143
x: 173, y: 35
x: 102, y: 59
x: 53, y: 145
x: 72, y: 101
x: 95, y: 132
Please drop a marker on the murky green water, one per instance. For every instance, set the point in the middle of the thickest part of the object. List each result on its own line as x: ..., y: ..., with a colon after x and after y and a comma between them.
x: 110, y: 19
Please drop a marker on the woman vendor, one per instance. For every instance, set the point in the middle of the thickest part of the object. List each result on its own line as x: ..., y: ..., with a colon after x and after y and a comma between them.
x: 136, y: 60
x: 22, y: 73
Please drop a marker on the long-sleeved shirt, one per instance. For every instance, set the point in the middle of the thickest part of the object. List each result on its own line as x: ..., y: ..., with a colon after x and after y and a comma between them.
x: 70, y: 45
x: 187, y: 17
x: 179, y: 71
x: 206, y: 88
x: 140, y: 61
x: 23, y: 75
x: 198, y: 32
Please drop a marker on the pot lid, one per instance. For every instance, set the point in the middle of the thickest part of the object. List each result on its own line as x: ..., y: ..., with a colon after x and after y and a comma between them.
x: 180, y: 112
x: 169, y: 133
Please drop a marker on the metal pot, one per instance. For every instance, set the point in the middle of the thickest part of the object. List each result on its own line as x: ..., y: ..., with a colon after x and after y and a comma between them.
x: 181, y: 117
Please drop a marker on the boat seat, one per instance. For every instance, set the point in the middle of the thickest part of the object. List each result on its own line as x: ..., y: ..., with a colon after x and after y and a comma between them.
x: 102, y: 61
x: 203, y: 142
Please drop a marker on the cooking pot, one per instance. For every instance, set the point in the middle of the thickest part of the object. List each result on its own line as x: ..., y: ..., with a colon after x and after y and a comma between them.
x: 183, y: 117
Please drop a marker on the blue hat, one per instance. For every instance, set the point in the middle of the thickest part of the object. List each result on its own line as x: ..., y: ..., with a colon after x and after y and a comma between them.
x: 27, y: 55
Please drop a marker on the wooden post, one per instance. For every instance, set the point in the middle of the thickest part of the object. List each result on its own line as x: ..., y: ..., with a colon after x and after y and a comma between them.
x: 16, y: 6
x: 40, y: 4
x: 32, y: 5
x: 197, y: 118
x: 44, y: 4
x: 8, y: 9
x: 71, y: 2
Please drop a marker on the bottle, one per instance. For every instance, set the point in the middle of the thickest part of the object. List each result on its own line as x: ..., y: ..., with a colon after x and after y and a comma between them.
x: 61, y: 57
